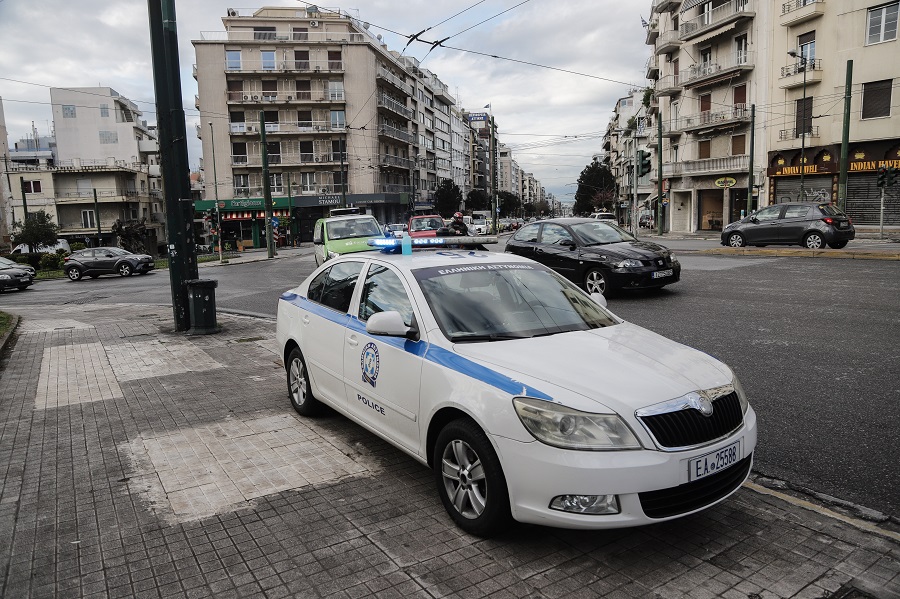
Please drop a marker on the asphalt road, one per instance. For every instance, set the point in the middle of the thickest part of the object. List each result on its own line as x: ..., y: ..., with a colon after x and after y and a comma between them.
x: 814, y: 342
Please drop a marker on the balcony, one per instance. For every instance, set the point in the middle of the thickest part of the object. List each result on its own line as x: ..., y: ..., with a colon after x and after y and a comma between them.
x: 707, y: 166
x: 661, y: 6
x: 653, y: 67
x: 394, y: 133
x: 252, y: 128
x: 796, y: 12
x: 711, y: 120
x: 792, y: 74
x: 332, y: 157
x: 389, y: 103
x: 705, y: 73
x: 281, y: 66
x: 730, y: 13
x: 667, y: 42
x: 652, y: 32
x: 397, y: 161
x: 668, y: 86
x: 196, y: 101
x: 395, y: 188
x: 388, y: 77
x: 270, y: 97
x: 792, y: 134
x: 672, y: 128
x: 273, y: 37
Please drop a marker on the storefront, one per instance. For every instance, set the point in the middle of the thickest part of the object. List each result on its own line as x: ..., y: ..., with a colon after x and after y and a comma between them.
x: 244, y: 219
x: 821, y: 172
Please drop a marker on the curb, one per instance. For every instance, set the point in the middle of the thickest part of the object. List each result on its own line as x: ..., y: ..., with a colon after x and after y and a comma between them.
x: 4, y: 341
x: 790, y: 253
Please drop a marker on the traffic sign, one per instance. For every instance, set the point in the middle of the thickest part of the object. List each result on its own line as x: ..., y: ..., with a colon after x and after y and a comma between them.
x: 274, y: 221
x: 221, y: 204
x: 665, y: 201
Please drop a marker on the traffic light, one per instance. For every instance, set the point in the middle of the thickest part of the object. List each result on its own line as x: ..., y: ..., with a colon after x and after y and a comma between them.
x: 643, y: 163
x: 891, y: 176
x: 882, y: 176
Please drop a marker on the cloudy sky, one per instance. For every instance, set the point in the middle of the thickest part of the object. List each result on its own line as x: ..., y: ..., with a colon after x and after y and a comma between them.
x: 551, y: 118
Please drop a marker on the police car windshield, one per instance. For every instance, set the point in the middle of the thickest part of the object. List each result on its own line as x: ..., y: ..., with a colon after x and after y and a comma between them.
x: 498, y: 302
x: 349, y: 228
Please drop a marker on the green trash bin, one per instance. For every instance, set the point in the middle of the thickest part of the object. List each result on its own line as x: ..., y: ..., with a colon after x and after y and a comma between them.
x: 202, y: 306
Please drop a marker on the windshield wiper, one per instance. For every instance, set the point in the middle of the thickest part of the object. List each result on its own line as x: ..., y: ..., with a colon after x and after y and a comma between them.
x: 464, y: 338
x: 598, y: 243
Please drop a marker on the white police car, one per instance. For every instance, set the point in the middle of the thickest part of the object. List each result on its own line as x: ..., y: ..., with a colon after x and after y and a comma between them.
x: 524, y: 394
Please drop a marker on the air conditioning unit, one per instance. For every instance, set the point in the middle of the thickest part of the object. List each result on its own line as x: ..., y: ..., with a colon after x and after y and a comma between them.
x: 290, y: 97
x: 256, y: 97
x: 246, y: 97
x: 313, y: 23
x: 250, y: 129
x: 318, y: 69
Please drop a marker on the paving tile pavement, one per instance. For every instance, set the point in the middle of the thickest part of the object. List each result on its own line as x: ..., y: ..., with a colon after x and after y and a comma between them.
x: 136, y: 462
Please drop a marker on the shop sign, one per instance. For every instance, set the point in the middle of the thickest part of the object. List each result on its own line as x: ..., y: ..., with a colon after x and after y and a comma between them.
x: 725, y: 182
x: 329, y: 200
x: 872, y: 165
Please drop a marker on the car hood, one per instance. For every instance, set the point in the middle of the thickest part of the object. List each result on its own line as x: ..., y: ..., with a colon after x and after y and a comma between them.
x: 622, y: 367
x: 14, y: 272
x: 628, y: 249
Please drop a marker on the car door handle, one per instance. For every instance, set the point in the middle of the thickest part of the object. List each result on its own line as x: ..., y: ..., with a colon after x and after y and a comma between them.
x: 305, y: 319
x: 352, y: 341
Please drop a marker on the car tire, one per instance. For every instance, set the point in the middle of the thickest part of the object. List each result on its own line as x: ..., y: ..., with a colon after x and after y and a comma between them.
x: 299, y: 388
x: 470, y: 479
x: 595, y: 282
x: 74, y: 274
x: 736, y: 240
x: 813, y: 241
x: 837, y: 245
x: 125, y: 270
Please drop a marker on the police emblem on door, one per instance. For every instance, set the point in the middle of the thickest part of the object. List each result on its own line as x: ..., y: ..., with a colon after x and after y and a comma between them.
x: 369, y: 362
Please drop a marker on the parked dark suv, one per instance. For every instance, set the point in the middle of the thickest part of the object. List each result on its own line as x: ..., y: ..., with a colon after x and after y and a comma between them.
x: 810, y: 224
x: 93, y: 262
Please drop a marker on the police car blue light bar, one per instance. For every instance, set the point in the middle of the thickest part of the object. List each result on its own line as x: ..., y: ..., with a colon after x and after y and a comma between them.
x: 388, y: 244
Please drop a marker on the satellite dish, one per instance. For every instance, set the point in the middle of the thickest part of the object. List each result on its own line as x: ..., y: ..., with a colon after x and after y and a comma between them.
x: 232, y: 12
x: 365, y: 25
x: 379, y: 37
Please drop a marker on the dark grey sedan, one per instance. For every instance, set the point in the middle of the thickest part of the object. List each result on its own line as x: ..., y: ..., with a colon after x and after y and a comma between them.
x: 810, y: 224
x: 93, y: 262
x: 596, y: 254
x: 16, y: 277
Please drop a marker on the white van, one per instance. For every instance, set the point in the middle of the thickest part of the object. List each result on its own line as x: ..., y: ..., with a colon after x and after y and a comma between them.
x: 61, y: 244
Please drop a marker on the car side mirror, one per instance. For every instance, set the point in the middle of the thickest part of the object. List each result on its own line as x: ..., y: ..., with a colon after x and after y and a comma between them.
x: 109, y: 255
x: 753, y: 219
x: 569, y: 243
x: 391, y: 324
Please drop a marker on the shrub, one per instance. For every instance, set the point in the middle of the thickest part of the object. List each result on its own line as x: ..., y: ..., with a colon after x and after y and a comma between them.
x: 51, y: 261
x: 77, y: 246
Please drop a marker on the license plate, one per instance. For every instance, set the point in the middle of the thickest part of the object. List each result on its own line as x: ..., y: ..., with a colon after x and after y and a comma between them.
x: 842, y: 225
x: 715, y: 461
x: 662, y: 273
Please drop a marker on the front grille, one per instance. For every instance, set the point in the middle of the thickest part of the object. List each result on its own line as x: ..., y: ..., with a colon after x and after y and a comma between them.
x: 694, y: 495
x: 686, y: 428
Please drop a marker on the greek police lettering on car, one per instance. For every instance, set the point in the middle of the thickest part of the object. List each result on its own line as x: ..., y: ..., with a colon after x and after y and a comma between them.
x: 368, y: 402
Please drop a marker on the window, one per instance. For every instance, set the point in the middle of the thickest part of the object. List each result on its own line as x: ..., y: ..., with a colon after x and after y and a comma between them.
x: 270, y: 90
x: 268, y: 59
x: 740, y: 49
x: 554, y: 234
x: 31, y: 186
x: 239, y: 152
x: 263, y: 33
x: 876, y: 99
x: 109, y: 137
x: 276, y: 182
x: 335, y: 90
x: 104, y: 110
x: 304, y: 87
x: 334, y: 286
x: 68, y: 111
x: 334, y: 60
x: 307, y: 181
x: 703, y: 149
x: 273, y: 149
x: 301, y: 60
x: 232, y: 60
x: 301, y: 34
x: 87, y: 219
x: 304, y: 119
x: 383, y: 291
x: 796, y: 211
x: 339, y: 180
x: 337, y: 119
x: 738, y: 145
x: 807, y: 45
x: 768, y: 213
x: 241, y: 183
x: 882, y: 24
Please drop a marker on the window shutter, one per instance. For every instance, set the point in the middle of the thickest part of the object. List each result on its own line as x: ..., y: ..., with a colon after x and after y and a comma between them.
x: 876, y: 99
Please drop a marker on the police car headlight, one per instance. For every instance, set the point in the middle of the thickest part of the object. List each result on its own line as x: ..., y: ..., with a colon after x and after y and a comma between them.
x: 628, y: 263
x: 742, y: 396
x: 564, y: 427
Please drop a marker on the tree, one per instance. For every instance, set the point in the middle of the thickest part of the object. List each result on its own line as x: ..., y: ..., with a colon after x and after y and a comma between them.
x: 447, y: 198
x: 37, y: 231
x: 477, y: 200
x: 529, y: 208
x: 596, y: 189
x: 542, y: 208
x: 509, y: 203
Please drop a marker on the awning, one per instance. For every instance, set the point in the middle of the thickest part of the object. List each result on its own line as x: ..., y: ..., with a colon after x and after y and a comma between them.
x: 689, y: 4
x: 713, y: 33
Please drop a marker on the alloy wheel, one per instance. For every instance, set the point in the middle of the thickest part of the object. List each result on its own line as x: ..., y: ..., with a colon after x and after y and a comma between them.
x: 595, y: 282
x: 464, y: 479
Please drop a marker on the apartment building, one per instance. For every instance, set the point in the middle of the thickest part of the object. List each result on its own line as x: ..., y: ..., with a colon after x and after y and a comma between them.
x: 102, y: 170
x: 811, y: 44
x: 509, y: 173
x: 709, y: 65
x: 460, y: 151
x: 630, y: 130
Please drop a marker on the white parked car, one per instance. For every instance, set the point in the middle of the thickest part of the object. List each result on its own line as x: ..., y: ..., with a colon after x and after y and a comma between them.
x: 525, y: 395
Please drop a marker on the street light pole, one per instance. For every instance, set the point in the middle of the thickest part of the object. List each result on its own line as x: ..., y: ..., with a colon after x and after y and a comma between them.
x: 212, y: 141
x: 803, y: 62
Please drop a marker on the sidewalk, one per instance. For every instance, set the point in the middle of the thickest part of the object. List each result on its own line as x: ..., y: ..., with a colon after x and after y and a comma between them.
x: 137, y: 462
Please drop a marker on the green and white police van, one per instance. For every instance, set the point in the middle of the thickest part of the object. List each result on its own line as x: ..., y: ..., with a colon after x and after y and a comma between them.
x: 346, y: 231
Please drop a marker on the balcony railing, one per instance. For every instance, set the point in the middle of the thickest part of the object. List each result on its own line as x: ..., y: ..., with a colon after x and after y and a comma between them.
x: 386, y: 75
x: 397, y: 161
x: 715, y: 118
x: 721, y: 15
x: 729, y: 63
x: 252, y: 127
x: 668, y: 85
x: 261, y: 97
x: 313, y: 66
x: 385, y: 101
x: 726, y: 164
x: 786, y: 134
x: 798, y: 67
x: 394, y: 132
x: 800, y: 11
x: 281, y: 36
x: 667, y: 41
x: 395, y: 188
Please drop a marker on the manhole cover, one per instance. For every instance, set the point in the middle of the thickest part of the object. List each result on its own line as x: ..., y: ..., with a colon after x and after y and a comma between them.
x: 86, y: 300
